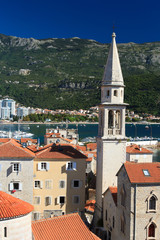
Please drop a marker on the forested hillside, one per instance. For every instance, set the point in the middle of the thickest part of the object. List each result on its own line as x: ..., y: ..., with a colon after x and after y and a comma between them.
x: 67, y: 73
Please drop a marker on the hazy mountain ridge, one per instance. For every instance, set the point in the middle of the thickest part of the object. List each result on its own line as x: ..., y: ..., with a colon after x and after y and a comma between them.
x: 66, y: 73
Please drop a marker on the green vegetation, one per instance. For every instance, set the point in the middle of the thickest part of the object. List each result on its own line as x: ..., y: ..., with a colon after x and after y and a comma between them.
x: 67, y: 73
x: 59, y: 118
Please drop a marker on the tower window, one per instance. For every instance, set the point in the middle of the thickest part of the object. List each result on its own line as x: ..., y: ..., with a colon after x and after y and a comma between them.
x: 108, y: 93
x: 110, y: 119
x: 151, y: 230
x: 115, y: 93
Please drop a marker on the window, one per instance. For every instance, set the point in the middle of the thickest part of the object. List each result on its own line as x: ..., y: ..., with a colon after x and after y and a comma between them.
x: 106, y: 215
x: 71, y: 166
x: 115, y: 93
x: 48, y: 201
x: 5, y: 231
x: 61, y: 200
x: 113, y: 223
x: 15, y: 186
x: 76, y: 199
x: 36, y: 215
x: 151, y: 231
x: 123, y: 196
x: 16, y: 167
x: 146, y: 172
x: 48, y: 184
x: 37, y: 184
x: 37, y: 200
x: 61, y: 184
x: 110, y: 119
x: 107, y: 93
x: 123, y: 224
x: 43, y: 166
x: 152, y: 203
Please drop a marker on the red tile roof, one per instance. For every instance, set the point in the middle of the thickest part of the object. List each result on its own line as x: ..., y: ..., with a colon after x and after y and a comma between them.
x: 136, y: 174
x: 59, y: 151
x: 90, y: 205
x: 137, y: 149
x: 113, y: 191
x: 12, y: 149
x: 24, y: 140
x: 68, y: 227
x: 91, y: 146
x: 11, y: 207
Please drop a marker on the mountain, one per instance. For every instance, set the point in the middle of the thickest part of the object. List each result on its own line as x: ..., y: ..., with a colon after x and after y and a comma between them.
x: 67, y: 73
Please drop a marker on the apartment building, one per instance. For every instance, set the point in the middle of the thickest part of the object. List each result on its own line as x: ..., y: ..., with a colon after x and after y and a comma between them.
x: 59, y: 181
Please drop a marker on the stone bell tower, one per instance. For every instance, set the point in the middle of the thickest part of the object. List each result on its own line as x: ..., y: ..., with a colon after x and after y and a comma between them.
x: 111, y: 140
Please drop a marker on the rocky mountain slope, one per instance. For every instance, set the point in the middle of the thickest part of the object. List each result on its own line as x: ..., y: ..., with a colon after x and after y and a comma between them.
x: 66, y: 73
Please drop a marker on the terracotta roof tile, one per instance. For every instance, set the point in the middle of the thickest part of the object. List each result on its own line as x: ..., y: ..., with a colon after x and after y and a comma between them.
x: 59, y: 151
x: 136, y: 174
x: 11, y: 207
x: 24, y: 140
x: 69, y: 227
x: 91, y: 146
x: 137, y: 149
x: 12, y: 149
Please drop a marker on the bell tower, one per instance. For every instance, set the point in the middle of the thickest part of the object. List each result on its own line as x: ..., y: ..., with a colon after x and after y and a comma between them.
x: 111, y: 140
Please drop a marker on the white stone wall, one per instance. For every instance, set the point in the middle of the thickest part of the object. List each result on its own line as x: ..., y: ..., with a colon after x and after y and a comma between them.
x: 17, y: 229
x: 140, y: 158
x: 25, y: 176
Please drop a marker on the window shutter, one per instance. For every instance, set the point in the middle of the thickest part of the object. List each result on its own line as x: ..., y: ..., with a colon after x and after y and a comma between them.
x: 41, y: 184
x: 20, y: 167
x: 72, y: 183
x: 67, y: 166
x: 74, y: 165
x: 47, y: 166
x: 80, y: 183
x: 57, y: 200
x: 0, y: 167
x: 20, y: 186
x: 11, y: 186
x: 12, y: 167
x: 39, y: 166
x: 49, y: 200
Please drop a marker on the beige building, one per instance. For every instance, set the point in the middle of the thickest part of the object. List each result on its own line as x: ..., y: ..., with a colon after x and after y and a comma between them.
x: 135, y: 214
x: 59, y: 181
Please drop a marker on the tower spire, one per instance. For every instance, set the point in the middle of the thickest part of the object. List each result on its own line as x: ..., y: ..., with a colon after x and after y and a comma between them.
x: 113, y: 73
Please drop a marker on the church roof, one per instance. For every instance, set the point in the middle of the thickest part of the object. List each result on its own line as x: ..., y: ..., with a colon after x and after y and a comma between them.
x: 113, y: 72
x: 11, y: 207
x: 68, y: 226
x: 143, y: 172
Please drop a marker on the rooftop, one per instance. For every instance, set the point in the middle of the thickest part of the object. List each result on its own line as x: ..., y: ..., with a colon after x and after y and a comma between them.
x: 13, y: 149
x: 69, y: 227
x: 62, y: 151
x: 11, y: 207
x: 143, y: 172
x: 137, y: 149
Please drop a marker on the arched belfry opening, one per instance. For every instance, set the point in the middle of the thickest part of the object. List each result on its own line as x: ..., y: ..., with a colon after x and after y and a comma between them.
x: 110, y: 119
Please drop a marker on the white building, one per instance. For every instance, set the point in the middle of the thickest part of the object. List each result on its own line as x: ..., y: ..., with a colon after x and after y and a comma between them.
x: 15, y: 218
x: 22, y: 112
x: 7, y: 108
x: 111, y: 140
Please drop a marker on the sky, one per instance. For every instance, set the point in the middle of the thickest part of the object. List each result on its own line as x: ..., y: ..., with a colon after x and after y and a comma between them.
x: 135, y: 21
